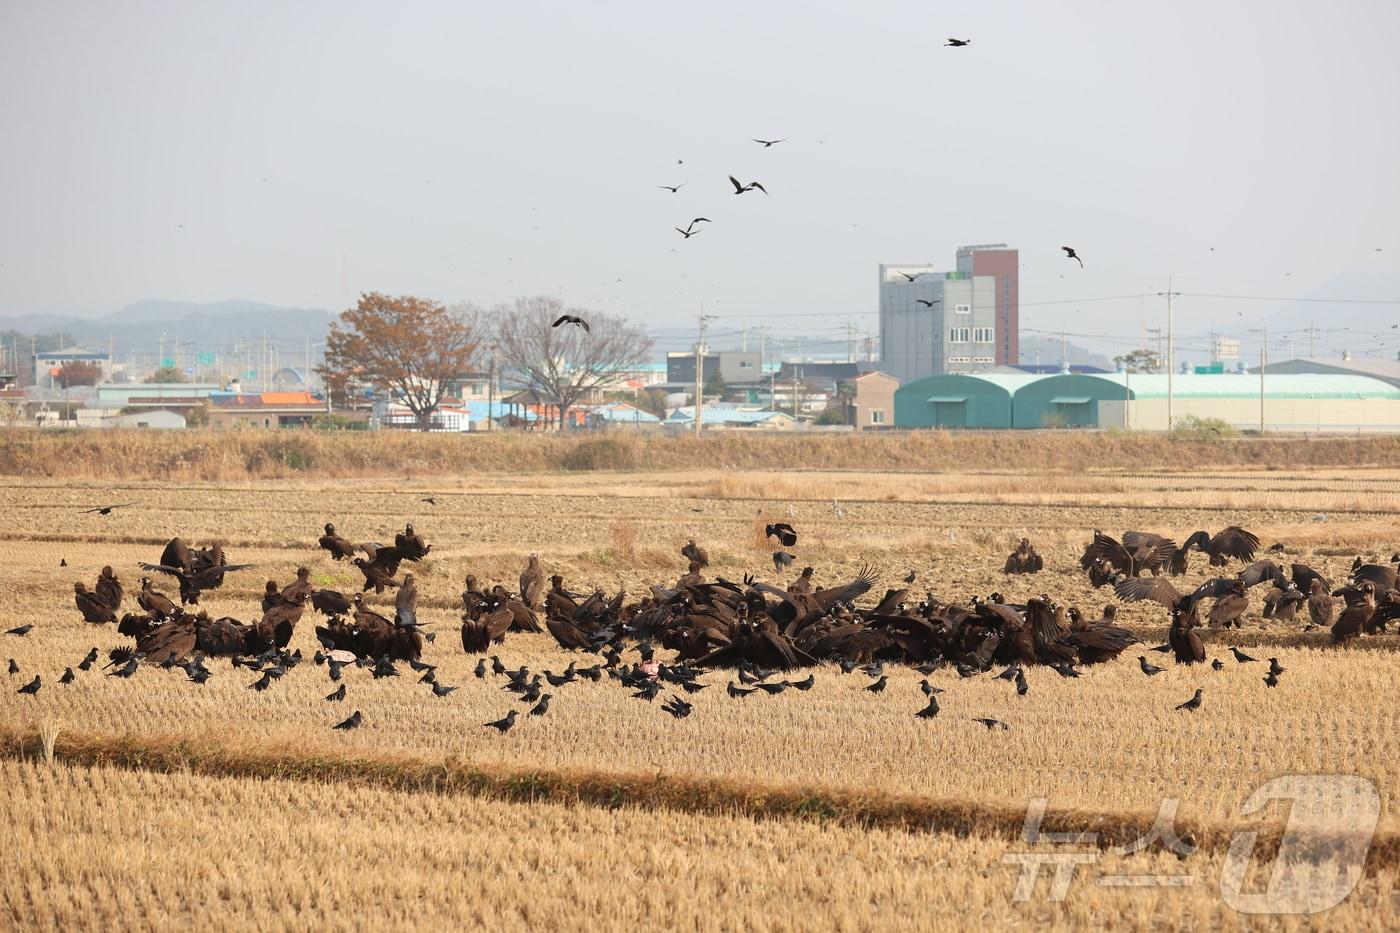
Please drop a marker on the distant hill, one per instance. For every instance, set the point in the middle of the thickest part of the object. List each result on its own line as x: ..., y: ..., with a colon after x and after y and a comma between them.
x: 1049, y: 352
x: 1352, y: 309
x: 217, y: 323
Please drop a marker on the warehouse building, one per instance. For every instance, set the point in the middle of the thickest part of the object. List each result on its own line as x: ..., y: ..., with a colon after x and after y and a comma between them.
x: 1305, y: 402
x: 959, y: 401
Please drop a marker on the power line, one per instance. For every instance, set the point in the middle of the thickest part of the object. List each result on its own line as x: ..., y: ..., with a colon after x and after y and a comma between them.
x: 1347, y: 301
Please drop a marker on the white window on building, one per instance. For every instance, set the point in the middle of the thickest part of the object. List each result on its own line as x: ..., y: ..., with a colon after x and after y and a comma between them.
x: 963, y: 309
x: 982, y: 335
x: 981, y: 359
x: 959, y: 359
x: 959, y: 334
x: 877, y: 416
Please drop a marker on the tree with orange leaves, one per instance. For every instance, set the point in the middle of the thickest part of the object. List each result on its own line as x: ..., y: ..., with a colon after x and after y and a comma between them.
x: 410, y: 347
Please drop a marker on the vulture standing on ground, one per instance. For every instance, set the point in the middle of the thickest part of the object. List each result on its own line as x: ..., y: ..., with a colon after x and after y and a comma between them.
x: 1356, y: 616
x: 1024, y: 559
x: 1321, y: 609
x: 299, y: 588
x: 1228, y: 609
x: 1187, y: 647
x: 93, y: 607
x: 1283, y: 602
x: 406, y: 602
x: 339, y: 548
x: 695, y: 552
x: 380, y: 568
x: 802, y: 586
x: 109, y: 588
x: 410, y: 545
x: 153, y: 601
x: 532, y: 583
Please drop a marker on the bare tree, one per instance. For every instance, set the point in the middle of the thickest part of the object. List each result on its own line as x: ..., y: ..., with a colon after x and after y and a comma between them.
x: 566, y: 363
x: 410, y: 346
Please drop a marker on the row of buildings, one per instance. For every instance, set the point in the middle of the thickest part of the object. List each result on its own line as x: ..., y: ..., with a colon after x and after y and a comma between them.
x: 1292, y: 398
x: 949, y: 357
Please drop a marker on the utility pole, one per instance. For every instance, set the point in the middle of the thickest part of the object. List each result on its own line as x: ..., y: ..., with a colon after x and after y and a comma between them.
x: 1263, y: 362
x: 1171, y: 352
x: 762, y: 353
x: 491, y: 391
x: 1127, y: 398
x: 699, y: 370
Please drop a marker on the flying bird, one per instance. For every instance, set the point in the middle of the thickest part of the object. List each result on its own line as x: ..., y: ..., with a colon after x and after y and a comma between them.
x: 1071, y: 254
x: 929, y: 303
x: 572, y: 319
x: 909, y: 277
x: 956, y: 43
x: 687, y: 234
x: 740, y: 189
x: 106, y: 509
x: 783, y: 532
x: 769, y: 143
x: 782, y: 559
x: 672, y: 188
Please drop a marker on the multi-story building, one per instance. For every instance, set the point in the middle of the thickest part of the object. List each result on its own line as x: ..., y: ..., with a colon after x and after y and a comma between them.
x: 737, y: 367
x: 1003, y: 265
x: 932, y: 323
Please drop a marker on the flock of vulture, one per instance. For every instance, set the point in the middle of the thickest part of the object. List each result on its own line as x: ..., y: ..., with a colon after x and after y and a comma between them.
x: 755, y: 628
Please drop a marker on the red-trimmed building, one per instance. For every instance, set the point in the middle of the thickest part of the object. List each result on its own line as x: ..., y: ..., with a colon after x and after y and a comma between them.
x: 264, y: 410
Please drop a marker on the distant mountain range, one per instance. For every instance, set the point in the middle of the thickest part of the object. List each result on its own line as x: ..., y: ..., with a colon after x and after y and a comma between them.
x: 211, y: 323
x: 1351, y: 313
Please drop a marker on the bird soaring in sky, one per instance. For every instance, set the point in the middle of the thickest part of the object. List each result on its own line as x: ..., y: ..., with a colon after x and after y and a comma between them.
x: 571, y: 319
x: 1069, y: 252
x: 740, y: 188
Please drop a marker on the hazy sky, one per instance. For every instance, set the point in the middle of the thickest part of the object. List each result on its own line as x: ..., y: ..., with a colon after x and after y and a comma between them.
x: 300, y: 153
